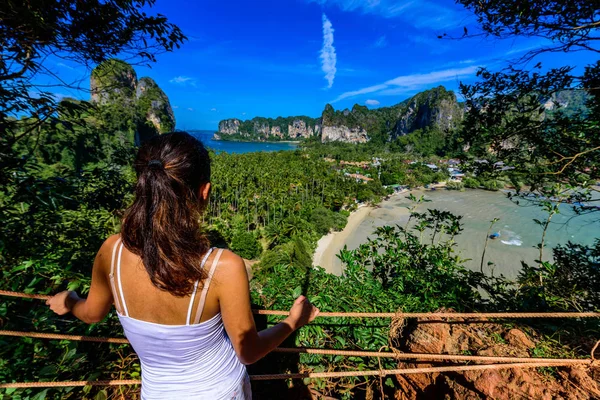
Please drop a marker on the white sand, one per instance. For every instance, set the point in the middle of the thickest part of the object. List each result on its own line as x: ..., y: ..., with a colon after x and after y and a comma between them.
x: 329, y: 246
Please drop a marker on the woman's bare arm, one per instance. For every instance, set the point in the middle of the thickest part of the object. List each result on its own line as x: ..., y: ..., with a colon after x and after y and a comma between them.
x: 97, y: 305
x: 234, y: 300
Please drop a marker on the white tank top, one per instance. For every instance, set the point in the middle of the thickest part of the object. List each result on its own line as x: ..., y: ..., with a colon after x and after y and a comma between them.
x: 191, y: 361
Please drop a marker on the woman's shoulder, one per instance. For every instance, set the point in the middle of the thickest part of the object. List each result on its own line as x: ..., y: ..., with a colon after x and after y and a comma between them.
x: 104, y: 255
x: 230, y: 265
x: 109, y: 243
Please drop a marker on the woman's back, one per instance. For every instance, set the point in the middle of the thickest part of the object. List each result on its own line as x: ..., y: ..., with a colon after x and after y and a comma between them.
x: 192, y: 331
x: 189, y: 360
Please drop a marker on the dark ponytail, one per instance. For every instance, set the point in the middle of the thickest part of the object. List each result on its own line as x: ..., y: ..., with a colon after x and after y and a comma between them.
x: 162, y: 226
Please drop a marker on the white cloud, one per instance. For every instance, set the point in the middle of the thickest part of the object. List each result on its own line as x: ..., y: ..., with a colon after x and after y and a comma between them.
x: 63, y: 65
x: 328, y: 56
x: 370, y: 89
x: 183, y: 80
x: 381, y: 42
x: 243, y: 113
x: 190, y: 109
x: 431, y: 77
x: 213, y: 109
x: 175, y: 107
x: 421, y: 13
x: 414, y: 82
x: 371, y: 102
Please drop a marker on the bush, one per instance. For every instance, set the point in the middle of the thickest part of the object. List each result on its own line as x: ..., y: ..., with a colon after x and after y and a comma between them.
x: 492, y: 184
x: 455, y: 185
x: 324, y: 220
x: 471, y: 183
x: 245, y: 245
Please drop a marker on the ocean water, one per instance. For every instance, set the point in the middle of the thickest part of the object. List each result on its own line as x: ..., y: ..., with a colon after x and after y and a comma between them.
x: 239, y: 147
x: 519, y: 235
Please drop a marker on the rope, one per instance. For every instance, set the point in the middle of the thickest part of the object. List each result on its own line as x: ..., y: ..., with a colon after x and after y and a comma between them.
x: 407, y: 371
x: 24, y: 295
x: 443, y: 314
x: 326, y: 352
x: 507, y: 315
x: 309, y: 375
x: 57, y: 336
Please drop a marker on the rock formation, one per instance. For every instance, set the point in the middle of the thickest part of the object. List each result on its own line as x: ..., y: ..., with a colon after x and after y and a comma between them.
x: 344, y: 134
x: 483, y: 339
x: 113, y: 80
x: 434, y: 108
x: 299, y: 129
x: 261, y: 129
x: 115, y: 87
x: 154, y: 104
x: 276, y: 132
x: 229, y: 126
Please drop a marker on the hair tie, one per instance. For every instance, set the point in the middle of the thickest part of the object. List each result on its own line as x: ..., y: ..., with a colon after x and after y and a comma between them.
x: 155, y: 163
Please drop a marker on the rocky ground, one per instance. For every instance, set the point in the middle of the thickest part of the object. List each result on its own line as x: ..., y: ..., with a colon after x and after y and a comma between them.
x: 486, y: 339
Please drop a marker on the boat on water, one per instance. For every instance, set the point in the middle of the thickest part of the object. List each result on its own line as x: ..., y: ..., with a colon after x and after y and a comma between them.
x: 495, y: 235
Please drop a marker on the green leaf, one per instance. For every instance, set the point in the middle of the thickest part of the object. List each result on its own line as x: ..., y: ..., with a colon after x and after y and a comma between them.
x: 41, y: 395
x: 297, y: 292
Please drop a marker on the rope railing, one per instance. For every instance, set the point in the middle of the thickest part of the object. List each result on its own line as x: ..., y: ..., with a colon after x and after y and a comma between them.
x: 323, y: 314
x: 307, y: 375
x: 325, y: 352
x: 505, y: 362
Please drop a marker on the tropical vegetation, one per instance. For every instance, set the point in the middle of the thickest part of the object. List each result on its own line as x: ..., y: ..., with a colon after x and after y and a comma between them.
x: 66, y: 177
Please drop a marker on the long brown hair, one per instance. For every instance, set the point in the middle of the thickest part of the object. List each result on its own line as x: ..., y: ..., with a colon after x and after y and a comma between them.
x: 162, y: 226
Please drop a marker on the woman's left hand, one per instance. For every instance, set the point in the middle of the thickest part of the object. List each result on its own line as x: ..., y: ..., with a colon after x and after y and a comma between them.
x: 62, y: 303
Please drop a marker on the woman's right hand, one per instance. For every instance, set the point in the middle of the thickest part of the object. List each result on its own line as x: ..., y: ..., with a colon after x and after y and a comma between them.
x: 302, y: 312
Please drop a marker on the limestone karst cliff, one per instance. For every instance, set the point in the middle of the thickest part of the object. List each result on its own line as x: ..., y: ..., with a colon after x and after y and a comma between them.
x: 434, y: 108
x: 154, y: 104
x: 272, y: 129
x: 135, y: 105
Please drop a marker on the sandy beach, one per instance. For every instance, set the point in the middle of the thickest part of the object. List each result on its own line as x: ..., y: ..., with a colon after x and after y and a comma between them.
x: 361, y: 220
x: 519, y: 235
x: 330, y: 245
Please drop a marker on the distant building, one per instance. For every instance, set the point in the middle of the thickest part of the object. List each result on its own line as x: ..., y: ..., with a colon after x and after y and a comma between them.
x: 359, y: 177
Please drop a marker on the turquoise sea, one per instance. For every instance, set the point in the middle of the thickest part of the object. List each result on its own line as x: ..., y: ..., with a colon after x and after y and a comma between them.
x: 519, y: 235
x: 239, y: 147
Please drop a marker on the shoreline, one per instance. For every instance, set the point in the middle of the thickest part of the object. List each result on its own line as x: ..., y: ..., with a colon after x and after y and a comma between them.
x: 329, y: 245
x: 255, y: 141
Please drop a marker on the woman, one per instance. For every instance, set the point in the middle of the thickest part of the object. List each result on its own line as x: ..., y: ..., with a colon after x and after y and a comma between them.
x: 184, y: 306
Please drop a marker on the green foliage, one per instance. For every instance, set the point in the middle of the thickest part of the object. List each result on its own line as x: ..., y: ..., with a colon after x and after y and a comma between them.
x: 471, y: 183
x: 281, y: 195
x: 426, y: 142
x: 491, y: 184
x: 65, y: 183
x: 245, y: 245
x: 455, y: 185
x: 393, y: 271
x: 325, y: 220
x: 82, y: 33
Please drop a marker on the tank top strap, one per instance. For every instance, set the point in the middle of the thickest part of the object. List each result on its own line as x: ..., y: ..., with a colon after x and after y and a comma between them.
x: 111, y: 276
x: 204, y: 292
x: 188, y: 319
x: 123, y: 303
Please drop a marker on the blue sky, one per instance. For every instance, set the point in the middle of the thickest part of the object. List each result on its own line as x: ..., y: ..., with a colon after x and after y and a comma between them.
x: 291, y: 57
